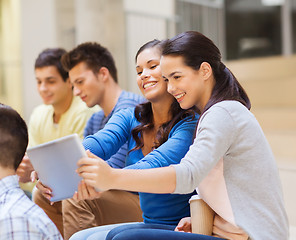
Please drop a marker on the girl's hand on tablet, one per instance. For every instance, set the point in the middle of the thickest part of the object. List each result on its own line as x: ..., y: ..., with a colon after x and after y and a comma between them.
x: 95, y: 172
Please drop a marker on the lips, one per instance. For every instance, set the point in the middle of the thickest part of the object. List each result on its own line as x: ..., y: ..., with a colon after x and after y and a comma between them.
x: 83, y: 98
x: 46, y: 98
x: 179, y: 96
x: 149, y: 84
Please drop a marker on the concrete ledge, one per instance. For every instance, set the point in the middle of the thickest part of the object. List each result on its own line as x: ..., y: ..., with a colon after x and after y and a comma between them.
x: 292, y: 232
x: 276, y: 119
x: 282, y: 143
x: 265, y: 84
x: 287, y: 172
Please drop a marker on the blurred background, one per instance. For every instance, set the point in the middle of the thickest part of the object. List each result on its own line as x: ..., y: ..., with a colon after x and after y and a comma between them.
x: 257, y: 39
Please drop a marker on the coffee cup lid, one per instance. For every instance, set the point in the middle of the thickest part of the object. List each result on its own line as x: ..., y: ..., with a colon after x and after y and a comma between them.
x: 194, y: 197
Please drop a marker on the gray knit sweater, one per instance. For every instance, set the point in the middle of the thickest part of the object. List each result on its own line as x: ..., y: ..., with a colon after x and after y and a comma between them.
x: 233, y: 167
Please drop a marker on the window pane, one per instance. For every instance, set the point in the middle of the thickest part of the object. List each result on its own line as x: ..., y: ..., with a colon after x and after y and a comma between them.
x: 204, y: 16
x: 252, y: 29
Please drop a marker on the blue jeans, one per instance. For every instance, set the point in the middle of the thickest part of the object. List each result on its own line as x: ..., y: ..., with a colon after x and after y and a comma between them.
x: 152, y: 232
x: 98, y: 233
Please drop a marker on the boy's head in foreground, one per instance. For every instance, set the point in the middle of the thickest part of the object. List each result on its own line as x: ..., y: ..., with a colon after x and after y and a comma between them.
x: 13, y: 138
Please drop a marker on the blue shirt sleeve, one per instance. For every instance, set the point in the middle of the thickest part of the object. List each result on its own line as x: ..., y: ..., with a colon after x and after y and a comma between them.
x: 114, y: 135
x: 98, y: 121
x: 173, y: 150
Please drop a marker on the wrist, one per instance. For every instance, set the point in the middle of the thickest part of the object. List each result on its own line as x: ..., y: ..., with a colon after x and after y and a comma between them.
x: 113, y: 180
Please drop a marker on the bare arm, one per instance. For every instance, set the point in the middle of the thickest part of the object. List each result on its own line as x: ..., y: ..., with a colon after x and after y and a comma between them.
x: 99, y: 174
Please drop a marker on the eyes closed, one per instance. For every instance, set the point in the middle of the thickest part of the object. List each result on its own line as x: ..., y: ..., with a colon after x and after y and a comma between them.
x: 151, y: 66
x: 47, y: 81
x: 175, y: 77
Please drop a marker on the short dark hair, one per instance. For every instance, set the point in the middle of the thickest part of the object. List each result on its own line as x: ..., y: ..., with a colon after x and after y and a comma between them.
x: 52, y: 57
x: 14, y: 137
x: 93, y: 55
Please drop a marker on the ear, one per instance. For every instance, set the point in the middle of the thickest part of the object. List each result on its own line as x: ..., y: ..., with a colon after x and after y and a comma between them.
x: 206, y: 70
x: 105, y: 74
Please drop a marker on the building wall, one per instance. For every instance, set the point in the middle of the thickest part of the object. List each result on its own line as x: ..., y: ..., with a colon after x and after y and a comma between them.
x: 103, y: 21
x: 120, y: 25
x: 44, y: 24
x: 10, y: 59
x: 145, y: 22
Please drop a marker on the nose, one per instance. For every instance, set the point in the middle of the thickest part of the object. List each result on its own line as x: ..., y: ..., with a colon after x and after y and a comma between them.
x: 145, y: 74
x: 42, y: 87
x: 76, y: 91
x: 171, y: 88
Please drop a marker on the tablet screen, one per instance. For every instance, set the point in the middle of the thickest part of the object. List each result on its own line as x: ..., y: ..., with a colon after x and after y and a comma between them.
x: 55, y: 163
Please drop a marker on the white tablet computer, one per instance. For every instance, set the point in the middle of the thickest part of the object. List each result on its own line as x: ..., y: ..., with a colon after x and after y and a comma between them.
x: 56, y: 162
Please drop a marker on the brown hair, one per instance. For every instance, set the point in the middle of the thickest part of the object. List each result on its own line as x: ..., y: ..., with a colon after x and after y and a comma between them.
x: 93, y: 55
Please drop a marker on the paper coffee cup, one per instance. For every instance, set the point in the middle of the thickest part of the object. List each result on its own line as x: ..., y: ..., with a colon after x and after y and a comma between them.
x: 202, y: 216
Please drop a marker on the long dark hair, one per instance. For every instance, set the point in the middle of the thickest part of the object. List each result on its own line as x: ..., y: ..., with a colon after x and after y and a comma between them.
x: 144, y: 113
x: 195, y: 48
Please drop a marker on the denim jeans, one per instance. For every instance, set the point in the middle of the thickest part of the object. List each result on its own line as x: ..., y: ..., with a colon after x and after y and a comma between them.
x: 152, y: 232
x: 97, y: 233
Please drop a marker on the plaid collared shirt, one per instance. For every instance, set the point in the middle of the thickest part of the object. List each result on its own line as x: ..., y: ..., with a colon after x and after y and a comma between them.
x: 20, y: 218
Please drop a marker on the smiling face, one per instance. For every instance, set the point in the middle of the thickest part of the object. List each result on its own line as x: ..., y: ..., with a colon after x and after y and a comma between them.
x: 149, y: 79
x: 190, y: 87
x: 51, y: 86
x: 86, y: 84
